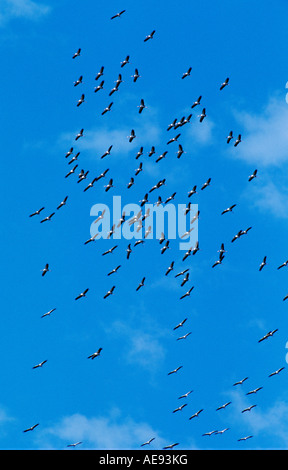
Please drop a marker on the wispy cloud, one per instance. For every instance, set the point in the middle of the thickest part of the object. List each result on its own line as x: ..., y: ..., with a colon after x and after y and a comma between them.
x: 28, y: 9
x: 269, y: 198
x: 102, y: 432
x: 264, y: 134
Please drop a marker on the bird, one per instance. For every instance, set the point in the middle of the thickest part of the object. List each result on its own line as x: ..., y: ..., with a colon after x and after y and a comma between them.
x: 196, y: 248
x: 180, y: 151
x: 170, y: 268
x: 125, y: 61
x: 209, y: 433
x: 254, y: 175
x: 77, y: 53
x: 229, y: 209
x: 229, y: 137
x: 48, y: 313
x: 202, y: 115
x: 110, y: 250
x: 283, y: 265
x: 132, y: 136
x: 223, y: 406
x: 152, y: 151
x: 207, y: 183
x: 80, y: 134
x: 71, y: 171
x: 195, y: 415
x: 102, y: 175
x: 185, y: 279
x: 109, y: 292
x: 115, y: 88
x: 165, y: 247
x: 172, y: 125
x: 99, y: 87
x: 238, y: 140
x: 244, y: 438
x: 74, y: 444
x: 40, y: 364
x: 276, y: 372
x: 69, y: 152
x: 128, y: 251
x: 270, y: 333
x: 238, y: 235
x: 173, y: 139
x: 197, y: 102
x: 148, y: 442
x: 122, y: 219
x: 45, y: 269
x: 263, y: 263
x: 63, y: 202
x: 100, y: 217
x: 135, y: 76
x: 174, y: 371
x: 240, y: 382
x: 81, y: 100
x: 224, y: 84
x: 141, y: 106
x: 254, y: 391
x: 182, y: 272
x: 109, y: 185
x: 179, y: 408
x: 100, y: 73
x: 185, y: 395
x: 31, y: 428
x: 170, y: 446
x: 249, y: 408
x: 90, y: 185
x: 83, y: 294
x: 186, y: 74
x: 170, y: 198
x: 131, y: 182
x: 222, y: 431
x: 73, y: 159
x: 114, y: 270
x: 219, y: 261
x: 118, y: 15
x: 184, y: 336
x: 150, y: 36
x: 139, y: 169
x: 107, y: 152
x: 222, y: 249
x: 141, y: 284
x: 37, y: 212
x: 49, y: 217
x: 139, y: 153
x: 192, y: 191
x: 91, y: 239
x: 187, y: 293
x: 95, y: 354
x: 180, y: 324
x: 108, y: 108
x: 78, y: 81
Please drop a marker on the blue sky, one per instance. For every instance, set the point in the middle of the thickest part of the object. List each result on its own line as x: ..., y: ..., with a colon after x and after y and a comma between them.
x: 125, y: 397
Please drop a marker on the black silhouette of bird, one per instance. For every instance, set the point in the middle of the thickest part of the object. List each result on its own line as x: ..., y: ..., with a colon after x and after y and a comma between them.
x: 185, y: 395
x: 254, y: 391
x: 207, y: 183
x: 109, y: 185
x: 49, y: 217
x: 184, y: 336
x: 114, y: 270
x: 170, y: 268
x: 37, y: 212
x: 109, y: 292
x: 110, y: 250
x: 118, y: 15
x: 131, y: 182
x: 99, y: 87
x: 141, y: 106
x: 229, y: 137
x: 150, y: 36
x: 180, y: 324
x: 187, y: 293
x: 197, y: 102
x: 128, y: 251
x: 180, y: 151
x: 77, y: 53
x: 219, y: 261
x: 249, y: 408
x: 238, y: 140
x: 63, y: 203
x: 40, y: 364
x: 173, y: 139
x: 78, y: 81
x: 174, y: 371
x: 170, y: 446
x: 74, y: 444
x: 223, y: 406
x: 179, y: 408
x: 90, y: 185
x: 132, y: 136
x: 240, y: 382
x: 45, y: 269
x: 81, y: 100
x: 108, y: 108
x: 71, y: 171
x: 83, y: 294
x: 224, y: 84
x: 69, y: 152
x: 254, y: 175
x: 195, y: 415
x: 283, y: 264
x: 91, y: 239
x: 202, y: 115
x: 141, y: 284
x: 270, y: 333
x: 48, y: 313
x: 186, y: 74
x: 95, y: 354
x: 263, y: 263
x: 135, y: 76
x: 139, y: 153
x: 244, y: 438
x: 31, y: 428
x: 276, y: 372
x: 108, y: 151
x: 192, y: 191
x: 148, y: 442
x: 125, y: 61
x: 229, y: 209
x: 80, y: 134
x: 209, y: 433
x: 100, y: 73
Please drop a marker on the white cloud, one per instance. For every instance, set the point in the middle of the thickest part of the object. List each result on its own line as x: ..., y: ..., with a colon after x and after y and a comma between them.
x: 21, y: 9
x: 269, y: 198
x: 264, y: 134
x: 103, y: 432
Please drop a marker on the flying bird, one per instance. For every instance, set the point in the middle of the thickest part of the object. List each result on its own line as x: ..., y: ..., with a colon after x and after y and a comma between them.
x: 185, y: 395
x: 99, y: 87
x: 254, y: 175
x: 81, y: 100
x: 229, y: 209
x: 224, y: 84
x: 80, y: 134
x: 148, y: 442
x: 184, y: 336
x: 180, y: 324
x: 180, y: 408
x: 141, y: 106
x: 263, y: 263
x: 31, y: 428
x: 71, y: 171
x: 202, y: 115
x: 229, y: 137
x: 244, y: 438
x: 249, y: 408
x: 74, y: 444
x: 83, y: 294
x: 107, y: 152
x: 109, y: 292
x: 77, y: 53
x: 186, y: 74
x: 118, y: 15
x: 48, y: 313
x: 63, y: 202
x: 207, y: 183
x: 110, y: 250
x: 37, y: 212
x: 170, y: 446
x: 114, y: 270
x: 192, y: 191
x: 240, y: 382
x: 254, y: 391
x: 238, y: 140
x: 276, y: 372
x: 283, y: 265
x: 187, y: 293
x: 95, y: 354
x: 40, y: 364
x: 132, y: 135
x: 90, y: 185
x: 141, y: 284
x: 197, y: 102
x: 125, y: 61
x: 78, y: 81
x: 135, y: 76
x: 109, y: 185
x: 49, y: 217
x: 175, y: 370
x: 91, y: 239
x: 150, y: 36
x: 108, y: 108
x: 195, y: 415
x: 173, y: 139
x: 270, y: 333
x: 223, y: 406
x: 163, y: 155
x: 45, y: 269
x: 100, y: 73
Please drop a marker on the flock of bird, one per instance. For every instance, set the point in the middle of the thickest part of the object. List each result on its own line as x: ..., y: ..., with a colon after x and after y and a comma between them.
x: 140, y: 217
